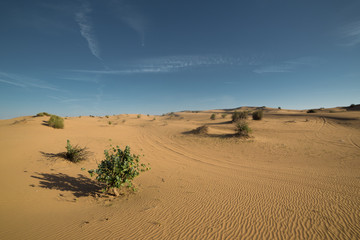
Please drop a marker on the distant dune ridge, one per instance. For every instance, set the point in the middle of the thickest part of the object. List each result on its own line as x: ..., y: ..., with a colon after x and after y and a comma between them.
x: 296, y: 177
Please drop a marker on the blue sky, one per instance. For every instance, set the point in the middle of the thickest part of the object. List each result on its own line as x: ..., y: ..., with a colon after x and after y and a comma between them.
x: 138, y: 56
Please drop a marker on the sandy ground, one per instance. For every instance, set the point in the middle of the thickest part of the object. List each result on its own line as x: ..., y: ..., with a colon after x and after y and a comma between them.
x: 297, y: 177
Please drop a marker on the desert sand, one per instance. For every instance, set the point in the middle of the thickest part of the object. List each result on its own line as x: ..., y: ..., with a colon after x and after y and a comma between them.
x: 296, y: 177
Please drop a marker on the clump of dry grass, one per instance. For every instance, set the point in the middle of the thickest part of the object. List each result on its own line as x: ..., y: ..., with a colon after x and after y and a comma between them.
x: 202, y: 130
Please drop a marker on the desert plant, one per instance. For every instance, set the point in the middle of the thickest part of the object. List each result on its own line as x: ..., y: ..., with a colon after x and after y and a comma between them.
x: 257, y: 115
x: 56, y: 122
x: 107, y: 116
x: 118, y: 169
x: 224, y: 115
x: 239, y: 115
x: 109, y: 122
x: 279, y: 108
x: 242, y: 129
x: 213, y: 116
x: 311, y: 111
x: 75, y: 153
x: 139, y: 116
x: 201, y: 130
x: 42, y: 114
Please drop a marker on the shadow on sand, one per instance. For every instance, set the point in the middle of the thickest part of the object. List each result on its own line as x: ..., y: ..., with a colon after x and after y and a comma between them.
x: 80, y: 186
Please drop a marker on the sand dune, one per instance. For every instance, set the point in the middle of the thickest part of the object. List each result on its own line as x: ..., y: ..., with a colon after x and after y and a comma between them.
x: 297, y: 177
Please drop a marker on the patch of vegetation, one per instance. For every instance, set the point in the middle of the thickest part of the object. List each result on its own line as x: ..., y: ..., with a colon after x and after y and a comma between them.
x: 56, y: 122
x: 332, y: 111
x: 237, y: 116
x: 109, y: 122
x: 107, y: 116
x: 224, y: 115
x: 257, y: 115
x: 118, y: 169
x: 139, y: 116
x: 75, y: 153
x: 279, y: 108
x: 123, y: 121
x: 311, y: 111
x: 202, y: 130
x: 213, y: 116
x: 43, y: 114
x: 352, y: 106
x: 242, y: 129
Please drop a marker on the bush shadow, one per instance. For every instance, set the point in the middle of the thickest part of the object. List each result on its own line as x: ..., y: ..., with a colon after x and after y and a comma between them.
x: 80, y: 186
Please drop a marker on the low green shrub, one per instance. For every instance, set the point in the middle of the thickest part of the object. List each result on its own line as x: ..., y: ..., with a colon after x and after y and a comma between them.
x: 257, y: 115
x: 224, y: 115
x: 109, y: 122
x: 56, y: 122
x: 237, y: 116
x: 242, y: 129
x: 139, y: 116
x: 118, y: 169
x: 75, y: 153
x: 42, y: 114
x: 311, y: 111
x: 201, y: 130
x: 213, y: 116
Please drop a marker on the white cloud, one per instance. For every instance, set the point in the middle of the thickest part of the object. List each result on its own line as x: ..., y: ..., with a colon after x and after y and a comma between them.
x: 86, y: 29
x: 351, y: 34
x: 22, y: 81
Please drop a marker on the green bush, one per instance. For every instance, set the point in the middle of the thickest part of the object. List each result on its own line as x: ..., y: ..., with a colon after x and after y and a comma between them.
x: 224, y: 115
x: 75, y: 153
x: 257, y: 115
x: 201, y: 130
x: 139, y: 116
x: 56, y: 122
x: 118, y: 169
x: 311, y: 111
x: 213, y: 116
x: 42, y: 114
x: 109, y: 122
x: 107, y: 116
x: 237, y: 116
x: 242, y: 129
x: 279, y: 108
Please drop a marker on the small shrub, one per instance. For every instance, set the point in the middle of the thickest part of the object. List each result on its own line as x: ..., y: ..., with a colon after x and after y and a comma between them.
x: 279, y: 108
x: 257, y: 115
x: 242, y: 129
x: 75, y: 154
x: 148, y: 115
x: 56, y: 122
x: 139, y: 116
x: 118, y: 169
x: 42, y: 114
x: 213, y: 116
x: 352, y: 106
x: 123, y: 121
x: 311, y: 111
x: 201, y: 130
x: 107, y: 116
x: 237, y: 116
x: 332, y: 111
x: 109, y: 122
x: 224, y: 115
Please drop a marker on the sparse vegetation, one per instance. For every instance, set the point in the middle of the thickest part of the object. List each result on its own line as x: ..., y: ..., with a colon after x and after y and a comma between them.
x: 224, y: 115
x: 118, y: 169
x: 107, y: 116
x: 42, y: 114
x: 257, y: 115
x: 75, y: 153
x: 279, y: 108
x: 109, y: 122
x: 202, y: 130
x: 242, y: 129
x: 139, y: 116
x: 56, y: 122
x: 237, y: 116
x: 213, y: 116
x: 311, y: 111
x: 352, y: 106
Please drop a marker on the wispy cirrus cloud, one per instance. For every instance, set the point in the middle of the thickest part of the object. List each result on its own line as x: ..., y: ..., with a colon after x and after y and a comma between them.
x: 171, y: 64
x: 86, y: 29
x: 351, y: 34
x: 287, y: 66
x: 24, y: 82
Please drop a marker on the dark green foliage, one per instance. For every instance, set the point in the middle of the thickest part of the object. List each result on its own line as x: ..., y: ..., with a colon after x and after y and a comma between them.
x: 201, y: 130
x: 213, y: 116
x: 75, y: 153
x: 42, y: 114
x: 352, y: 105
x: 139, y: 116
x: 279, y: 108
x: 56, y: 122
x: 257, y: 115
x: 311, y: 111
x: 242, y: 129
x: 224, y: 115
x: 237, y: 116
x: 118, y: 168
x: 109, y: 122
